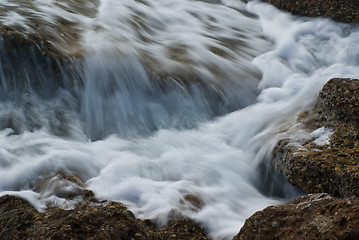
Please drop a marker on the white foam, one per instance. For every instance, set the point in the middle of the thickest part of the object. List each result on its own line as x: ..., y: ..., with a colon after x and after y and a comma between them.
x: 208, y: 41
x: 322, y: 136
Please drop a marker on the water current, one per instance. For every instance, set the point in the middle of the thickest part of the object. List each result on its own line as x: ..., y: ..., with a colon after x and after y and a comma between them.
x: 163, y: 101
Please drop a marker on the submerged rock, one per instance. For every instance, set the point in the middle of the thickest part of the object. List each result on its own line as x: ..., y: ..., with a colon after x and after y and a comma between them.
x: 330, y: 166
x: 89, y: 220
x: 339, y: 10
x: 32, y: 69
x: 29, y: 62
x: 314, y: 216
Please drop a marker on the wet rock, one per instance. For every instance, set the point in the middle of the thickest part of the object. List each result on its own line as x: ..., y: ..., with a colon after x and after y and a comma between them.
x: 339, y: 102
x: 89, y: 220
x: 13, y: 39
x: 30, y: 59
x: 314, y: 216
x: 32, y: 68
x: 64, y: 187
x: 59, y: 26
x: 339, y: 10
x: 332, y: 167
x: 16, y: 216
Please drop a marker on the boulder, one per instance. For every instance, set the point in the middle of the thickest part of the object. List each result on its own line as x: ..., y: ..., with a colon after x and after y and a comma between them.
x: 29, y: 62
x: 89, y: 220
x: 332, y: 167
x: 314, y: 216
x: 339, y: 10
x: 86, y: 217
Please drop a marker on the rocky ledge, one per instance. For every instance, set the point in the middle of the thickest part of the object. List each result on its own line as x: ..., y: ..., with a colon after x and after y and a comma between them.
x: 314, y: 216
x: 89, y: 220
x: 339, y: 10
x: 332, y: 166
x: 320, y: 155
x: 32, y: 57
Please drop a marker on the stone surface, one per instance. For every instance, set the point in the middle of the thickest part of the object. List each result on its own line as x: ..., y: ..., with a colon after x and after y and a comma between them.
x: 32, y: 57
x: 339, y: 102
x: 89, y: 220
x: 32, y: 68
x: 334, y: 167
x: 314, y: 216
x: 339, y: 10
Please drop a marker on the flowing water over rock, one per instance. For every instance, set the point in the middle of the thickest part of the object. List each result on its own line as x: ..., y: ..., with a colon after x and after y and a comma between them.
x: 157, y: 103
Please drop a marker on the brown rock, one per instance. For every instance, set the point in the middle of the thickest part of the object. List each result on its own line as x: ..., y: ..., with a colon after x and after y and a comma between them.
x: 314, y: 216
x: 331, y: 168
x: 89, y: 220
x: 339, y: 10
x: 338, y: 101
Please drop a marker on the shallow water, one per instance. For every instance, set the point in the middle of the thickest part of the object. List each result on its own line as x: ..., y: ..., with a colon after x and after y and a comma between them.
x: 171, y: 99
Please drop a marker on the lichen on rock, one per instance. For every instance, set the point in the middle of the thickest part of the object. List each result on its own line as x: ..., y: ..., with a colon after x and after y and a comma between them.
x: 339, y: 10
x: 88, y: 220
x: 314, y: 216
x: 333, y: 167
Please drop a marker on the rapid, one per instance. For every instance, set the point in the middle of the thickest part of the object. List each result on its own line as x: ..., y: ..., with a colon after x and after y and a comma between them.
x: 169, y: 100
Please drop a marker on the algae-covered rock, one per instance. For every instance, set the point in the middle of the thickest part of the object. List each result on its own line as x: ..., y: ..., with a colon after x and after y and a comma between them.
x: 339, y: 10
x: 89, y: 220
x: 331, y: 166
x: 85, y: 217
x: 314, y: 216
x: 339, y: 102
x: 16, y: 216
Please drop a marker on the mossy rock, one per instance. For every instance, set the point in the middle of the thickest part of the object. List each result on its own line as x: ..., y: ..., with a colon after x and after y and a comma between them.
x: 332, y: 168
x: 339, y: 10
x: 89, y: 220
x: 314, y: 216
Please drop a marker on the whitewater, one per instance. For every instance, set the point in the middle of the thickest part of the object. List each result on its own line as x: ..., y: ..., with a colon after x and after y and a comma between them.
x: 172, y: 98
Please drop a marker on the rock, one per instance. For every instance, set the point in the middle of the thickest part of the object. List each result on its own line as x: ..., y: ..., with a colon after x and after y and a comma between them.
x: 56, y: 26
x: 89, y: 220
x: 31, y: 63
x: 314, y: 216
x: 16, y: 216
x: 32, y: 68
x: 332, y: 167
x: 339, y: 102
x: 339, y: 10
x: 63, y: 186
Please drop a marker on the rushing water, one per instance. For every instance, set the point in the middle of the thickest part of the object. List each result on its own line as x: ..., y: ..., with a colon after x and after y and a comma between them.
x: 171, y: 99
